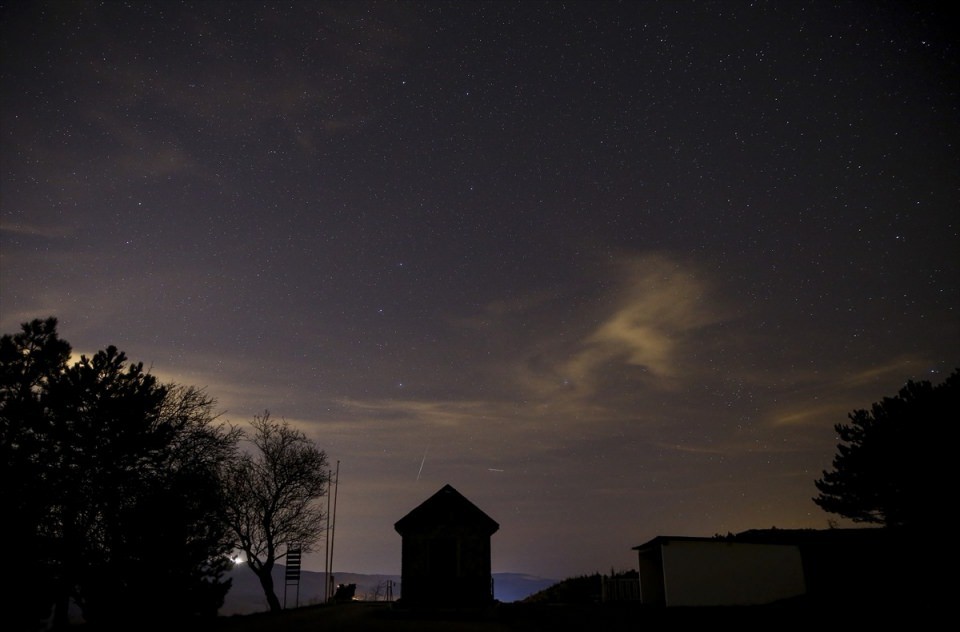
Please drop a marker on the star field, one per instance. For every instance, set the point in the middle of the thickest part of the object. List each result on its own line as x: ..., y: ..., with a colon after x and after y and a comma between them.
x: 612, y: 270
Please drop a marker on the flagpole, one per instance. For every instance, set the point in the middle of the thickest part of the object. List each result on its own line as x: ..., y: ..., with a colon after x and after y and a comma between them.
x: 333, y: 526
x: 326, y: 555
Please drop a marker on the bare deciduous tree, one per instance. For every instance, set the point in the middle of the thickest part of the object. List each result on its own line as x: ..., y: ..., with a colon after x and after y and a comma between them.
x: 272, y: 494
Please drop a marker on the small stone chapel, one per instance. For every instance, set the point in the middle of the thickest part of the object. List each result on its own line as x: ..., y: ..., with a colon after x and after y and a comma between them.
x: 446, y: 552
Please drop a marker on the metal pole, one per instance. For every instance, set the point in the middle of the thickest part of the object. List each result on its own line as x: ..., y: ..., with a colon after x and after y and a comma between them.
x: 333, y: 526
x: 326, y: 555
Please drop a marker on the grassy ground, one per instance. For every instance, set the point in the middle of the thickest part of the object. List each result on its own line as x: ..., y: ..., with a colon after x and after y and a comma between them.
x: 377, y: 617
x: 800, y: 614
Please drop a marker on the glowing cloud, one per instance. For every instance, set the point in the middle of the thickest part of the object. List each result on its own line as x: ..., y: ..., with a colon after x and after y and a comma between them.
x: 661, y: 302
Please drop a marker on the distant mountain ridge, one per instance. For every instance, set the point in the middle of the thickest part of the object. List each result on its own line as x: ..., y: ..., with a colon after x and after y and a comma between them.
x: 246, y: 595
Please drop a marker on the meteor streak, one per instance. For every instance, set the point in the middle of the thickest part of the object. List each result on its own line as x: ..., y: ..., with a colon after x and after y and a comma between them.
x: 421, y: 464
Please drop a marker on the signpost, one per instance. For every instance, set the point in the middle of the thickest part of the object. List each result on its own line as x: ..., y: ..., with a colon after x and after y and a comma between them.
x: 292, y: 573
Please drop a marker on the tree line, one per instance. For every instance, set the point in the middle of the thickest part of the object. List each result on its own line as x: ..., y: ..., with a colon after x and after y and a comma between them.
x: 129, y: 497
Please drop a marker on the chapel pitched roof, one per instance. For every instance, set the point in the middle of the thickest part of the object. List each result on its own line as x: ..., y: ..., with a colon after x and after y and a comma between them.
x: 447, y: 507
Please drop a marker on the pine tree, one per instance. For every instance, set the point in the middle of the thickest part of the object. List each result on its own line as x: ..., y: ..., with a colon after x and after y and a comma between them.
x: 891, y: 461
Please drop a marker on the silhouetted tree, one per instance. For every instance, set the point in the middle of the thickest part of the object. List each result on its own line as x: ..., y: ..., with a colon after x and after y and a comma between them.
x: 165, y: 537
x: 125, y: 499
x: 29, y: 361
x: 573, y: 590
x: 892, y: 459
x: 272, y: 497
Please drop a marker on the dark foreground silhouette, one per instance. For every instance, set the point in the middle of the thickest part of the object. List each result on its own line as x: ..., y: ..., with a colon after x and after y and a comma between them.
x: 524, y: 617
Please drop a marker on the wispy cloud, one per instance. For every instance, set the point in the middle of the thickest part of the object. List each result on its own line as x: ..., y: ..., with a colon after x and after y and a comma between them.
x: 46, y: 231
x: 826, y: 396
x: 638, y: 332
x: 663, y: 301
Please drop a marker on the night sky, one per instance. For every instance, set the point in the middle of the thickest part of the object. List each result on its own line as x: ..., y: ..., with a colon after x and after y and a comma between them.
x: 612, y: 270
